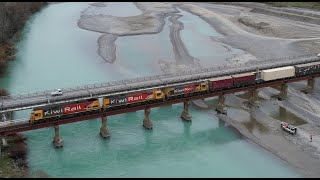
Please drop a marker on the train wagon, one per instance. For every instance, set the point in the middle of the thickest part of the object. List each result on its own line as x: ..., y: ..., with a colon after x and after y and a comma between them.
x: 307, y: 69
x: 186, y: 89
x: 244, y: 79
x: 219, y: 83
x: 132, y: 98
x: 66, y: 109
x: 277, y: 73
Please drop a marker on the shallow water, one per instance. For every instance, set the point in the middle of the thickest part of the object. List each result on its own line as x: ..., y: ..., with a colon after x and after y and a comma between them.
x: 56, y: 53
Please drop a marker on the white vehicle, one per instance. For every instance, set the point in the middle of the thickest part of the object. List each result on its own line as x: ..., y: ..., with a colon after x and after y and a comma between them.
x: 57, y: 92
x: 318, y: 55
x: 289, y: 128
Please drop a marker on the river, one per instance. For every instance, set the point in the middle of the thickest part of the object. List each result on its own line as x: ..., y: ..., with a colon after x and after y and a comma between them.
x: 54, y: 53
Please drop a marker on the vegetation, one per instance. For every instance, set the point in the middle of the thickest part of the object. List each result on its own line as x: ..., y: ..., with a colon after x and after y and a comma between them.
x: 13, y: 16
x: 3, y: 92
x: 308, y: 5
x: 8, y: 167
x: 12, y: 158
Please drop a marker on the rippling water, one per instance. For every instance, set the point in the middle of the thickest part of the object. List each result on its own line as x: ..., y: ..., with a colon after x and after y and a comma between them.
x: 56, y: 53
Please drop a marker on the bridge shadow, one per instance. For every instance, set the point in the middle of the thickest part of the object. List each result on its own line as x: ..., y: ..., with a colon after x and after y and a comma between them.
x: 186, y: 141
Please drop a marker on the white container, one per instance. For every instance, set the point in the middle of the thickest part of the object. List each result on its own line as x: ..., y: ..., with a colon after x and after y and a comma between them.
x: 277, y: 73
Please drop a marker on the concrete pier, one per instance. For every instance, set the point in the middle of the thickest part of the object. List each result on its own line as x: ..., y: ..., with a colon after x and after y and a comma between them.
x: 185, y: 113
x: 221, y: 123
x: 104, y: 132
x: 57, y: 141
x: 253, y: 96
x: 147, y: 123
x: 4, y: 142
x: 310, y: 83
x: 283, y: 91
x: 221, y: 106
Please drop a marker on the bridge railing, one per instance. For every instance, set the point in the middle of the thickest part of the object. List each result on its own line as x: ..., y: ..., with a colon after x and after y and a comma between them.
x: 14, y: 122
x: 216, y: 70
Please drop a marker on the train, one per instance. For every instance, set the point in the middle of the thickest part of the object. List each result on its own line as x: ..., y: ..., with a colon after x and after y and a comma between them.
x: 54, y: 112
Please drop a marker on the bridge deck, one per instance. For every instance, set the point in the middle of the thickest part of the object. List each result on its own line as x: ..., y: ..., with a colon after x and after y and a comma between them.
x: 39, y: 99
x: 26, y: 126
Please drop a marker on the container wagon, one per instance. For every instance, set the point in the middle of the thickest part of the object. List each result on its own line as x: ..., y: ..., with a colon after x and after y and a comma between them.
x: 277, y: 73
x: 219, y: 83
x: 185, y: 89
x: 307, y: 69
x: 132, y: 98
x: 244, y: 79
x: 66, y: 110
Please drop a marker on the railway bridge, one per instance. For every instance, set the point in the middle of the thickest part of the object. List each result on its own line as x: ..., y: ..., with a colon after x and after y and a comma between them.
x: 12, y: 103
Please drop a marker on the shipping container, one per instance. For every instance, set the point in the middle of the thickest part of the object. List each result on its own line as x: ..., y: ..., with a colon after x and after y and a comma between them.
x: 307, y: 69
x: 220, y: 83
x: 277, y: 73
x: 244, y: 79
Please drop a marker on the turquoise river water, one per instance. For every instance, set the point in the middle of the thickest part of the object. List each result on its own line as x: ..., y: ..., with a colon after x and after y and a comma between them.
x: 54, y: 52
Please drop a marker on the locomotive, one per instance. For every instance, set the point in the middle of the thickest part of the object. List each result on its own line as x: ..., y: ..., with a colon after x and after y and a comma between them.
x: 53, y: 112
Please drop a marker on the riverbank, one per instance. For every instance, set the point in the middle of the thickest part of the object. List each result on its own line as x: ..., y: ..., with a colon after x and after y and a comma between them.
x: 296, y: 150
x: 13, y: 162
x: 12, y: 24
x: 13, y: 158
x: 307, y: 5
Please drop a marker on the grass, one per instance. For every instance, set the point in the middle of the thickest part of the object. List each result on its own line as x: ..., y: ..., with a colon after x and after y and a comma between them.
x: 8, y: 168
x: 307, y: 5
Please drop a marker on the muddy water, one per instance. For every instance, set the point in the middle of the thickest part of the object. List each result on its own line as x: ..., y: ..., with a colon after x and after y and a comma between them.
x: 56, y: 53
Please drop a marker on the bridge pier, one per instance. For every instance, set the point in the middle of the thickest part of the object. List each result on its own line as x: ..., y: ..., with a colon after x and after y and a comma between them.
x: 185, y: 113
x: 4, y: 142
x: 221, y: 106
x: 147, y: 123
x: 253, y: 96
x: 104, y: 132
x: 283, y: 91
x: 57, y: 141
x: 310, y: 85
x: 221, y: 123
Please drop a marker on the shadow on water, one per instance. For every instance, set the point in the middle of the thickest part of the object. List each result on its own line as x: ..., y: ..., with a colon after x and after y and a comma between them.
x: 280, y: 113
x: 175, y: 144
x: 275, y: 111
x: 254, y: 124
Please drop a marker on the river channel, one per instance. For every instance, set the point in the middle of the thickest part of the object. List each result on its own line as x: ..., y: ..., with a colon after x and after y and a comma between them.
x: 54, y: 52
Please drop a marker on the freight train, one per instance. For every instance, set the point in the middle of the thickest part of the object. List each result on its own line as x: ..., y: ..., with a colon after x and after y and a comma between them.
x: 89, y: 106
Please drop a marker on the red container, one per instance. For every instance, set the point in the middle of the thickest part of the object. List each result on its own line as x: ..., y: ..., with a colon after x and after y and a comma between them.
x: 244, y: 79
x: 221, y: 83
